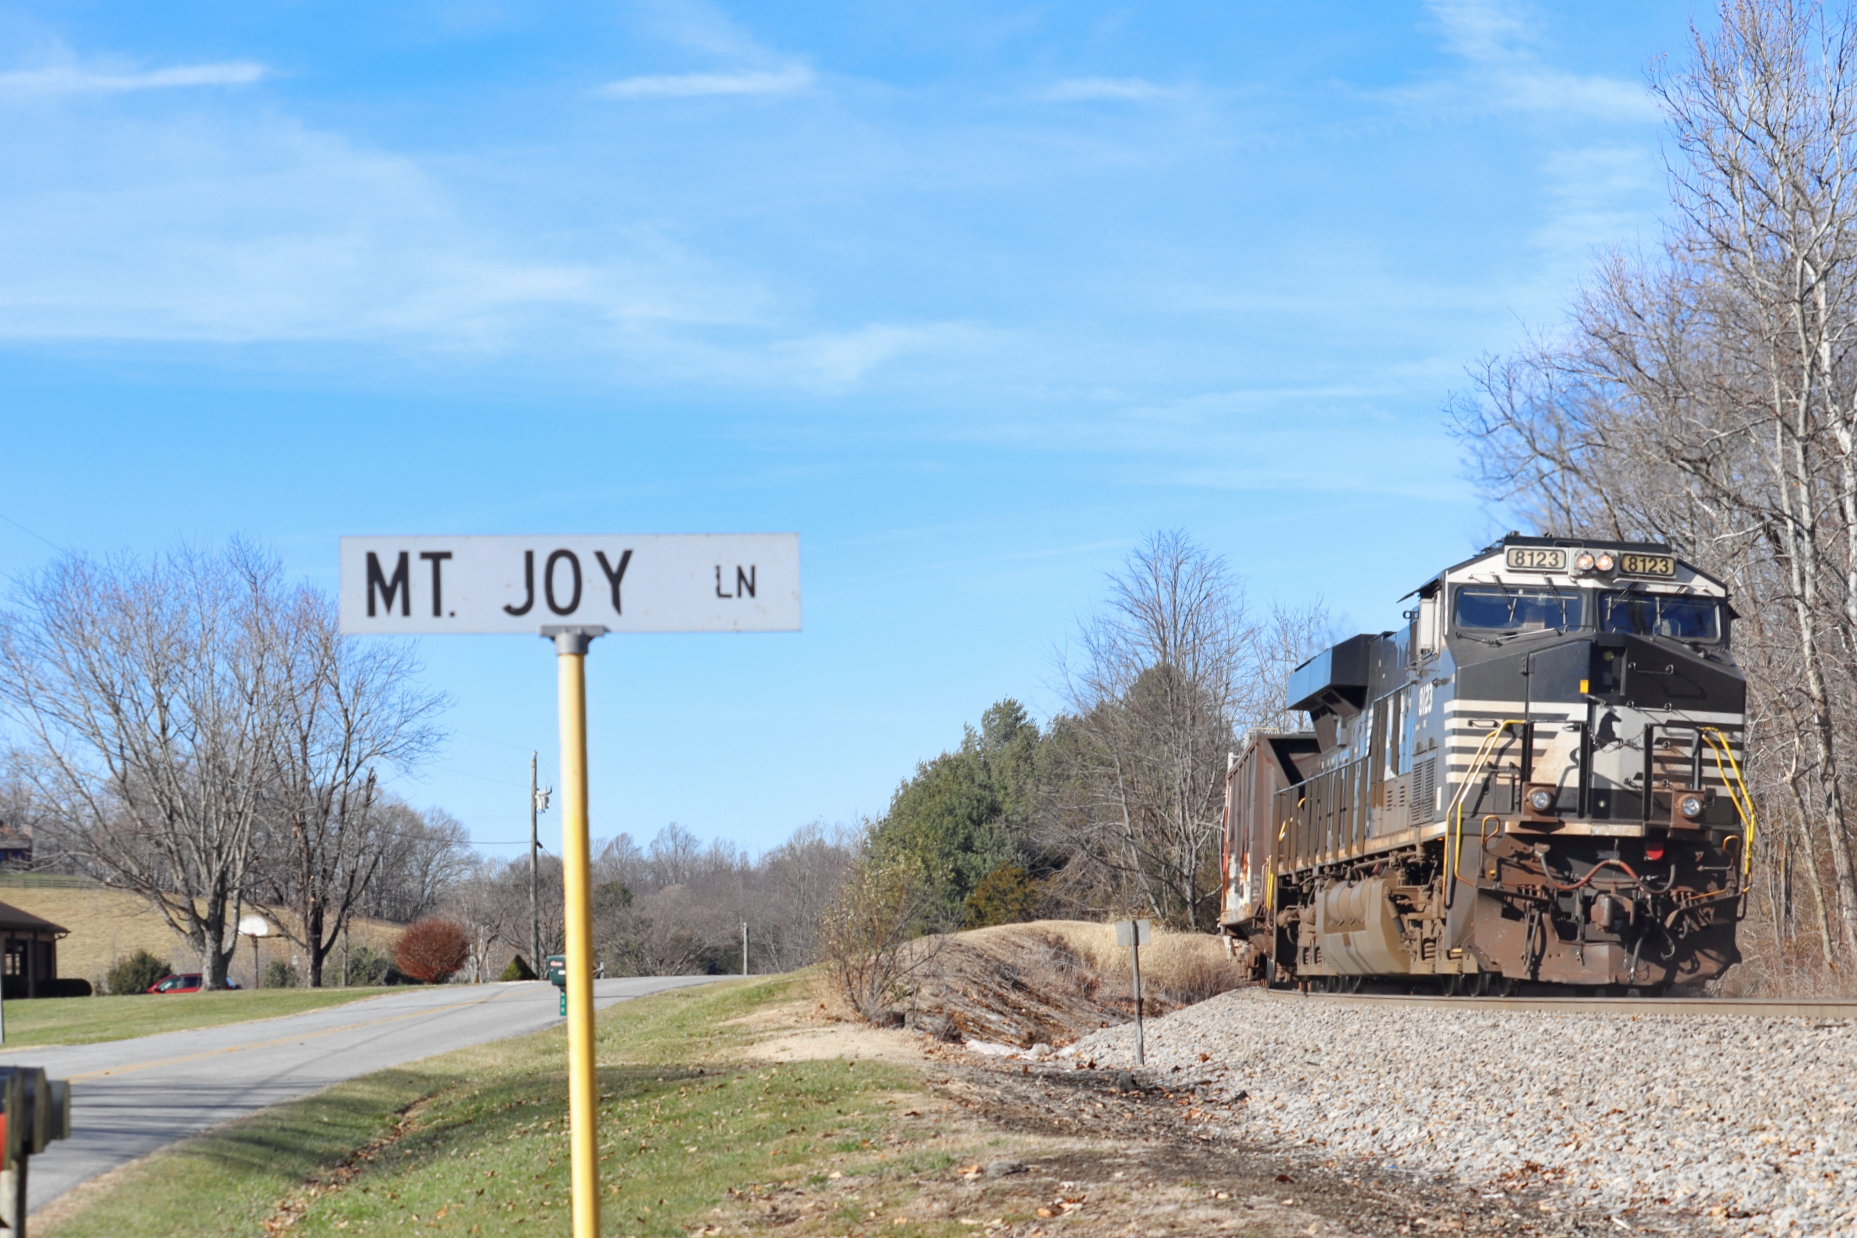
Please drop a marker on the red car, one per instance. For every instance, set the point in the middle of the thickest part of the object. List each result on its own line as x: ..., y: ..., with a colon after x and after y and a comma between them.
x: 189, y: 983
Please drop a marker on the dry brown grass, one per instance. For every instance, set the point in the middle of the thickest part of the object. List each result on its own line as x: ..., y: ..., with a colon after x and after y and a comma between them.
x: 1056, y: 980
x: 1186, y: 967
x: 1794, y: 969
x: 107, y: 925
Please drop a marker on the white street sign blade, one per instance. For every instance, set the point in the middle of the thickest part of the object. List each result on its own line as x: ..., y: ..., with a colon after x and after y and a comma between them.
x: 660, y: 582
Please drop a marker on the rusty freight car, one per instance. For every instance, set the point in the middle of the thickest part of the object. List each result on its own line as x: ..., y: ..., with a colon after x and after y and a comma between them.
x: 1536, y: 780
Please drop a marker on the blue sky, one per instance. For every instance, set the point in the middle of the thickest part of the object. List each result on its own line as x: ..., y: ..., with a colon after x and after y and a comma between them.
x: 972, y: 296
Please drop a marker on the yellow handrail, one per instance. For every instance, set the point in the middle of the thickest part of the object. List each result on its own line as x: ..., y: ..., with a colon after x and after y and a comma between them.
x: 1270, y: 884
x: 1738, y: 794
x: 1454, y: 819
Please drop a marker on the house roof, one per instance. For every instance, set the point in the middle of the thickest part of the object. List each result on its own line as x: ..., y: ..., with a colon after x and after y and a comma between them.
x: 13, y: 920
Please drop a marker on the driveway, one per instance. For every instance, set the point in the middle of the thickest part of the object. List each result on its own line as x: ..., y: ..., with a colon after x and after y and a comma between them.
x: 130, y: 1097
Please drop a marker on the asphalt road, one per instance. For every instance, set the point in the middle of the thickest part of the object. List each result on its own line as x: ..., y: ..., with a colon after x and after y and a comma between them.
x: 130, y: 1097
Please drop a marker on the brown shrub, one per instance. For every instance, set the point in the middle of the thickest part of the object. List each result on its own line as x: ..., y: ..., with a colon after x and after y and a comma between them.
x: 432, y: 949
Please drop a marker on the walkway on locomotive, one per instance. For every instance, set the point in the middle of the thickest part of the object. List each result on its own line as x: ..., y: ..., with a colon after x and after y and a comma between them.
x: 1589, y: 671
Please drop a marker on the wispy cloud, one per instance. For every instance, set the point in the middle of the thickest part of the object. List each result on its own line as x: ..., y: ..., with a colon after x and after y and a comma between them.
x: 70, y: 79
x: 702, y: 27
x: 1085, y: 89
x: 839, y: 359
x: 696, y: 85
x: 1497, y: 43
x: 747, y: 65
x: 252, y: 228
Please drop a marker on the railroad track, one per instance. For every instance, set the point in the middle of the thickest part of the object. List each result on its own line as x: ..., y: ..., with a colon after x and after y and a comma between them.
x: 1820, y: 1008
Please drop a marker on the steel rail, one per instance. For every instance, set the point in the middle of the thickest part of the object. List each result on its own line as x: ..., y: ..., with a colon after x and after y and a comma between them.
x: 1716, y: 1007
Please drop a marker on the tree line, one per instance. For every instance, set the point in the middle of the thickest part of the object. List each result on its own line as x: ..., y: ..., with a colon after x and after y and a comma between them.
x: 194, y: 728
x: 1703, y: 393
x: 1116, y: 804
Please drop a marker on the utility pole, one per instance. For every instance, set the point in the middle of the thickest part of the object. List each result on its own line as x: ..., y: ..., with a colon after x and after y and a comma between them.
x: 744, y: 947
x: 538, y: 803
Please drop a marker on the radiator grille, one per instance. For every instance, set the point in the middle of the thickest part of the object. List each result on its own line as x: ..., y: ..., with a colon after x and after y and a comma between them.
x: 1424, y: 782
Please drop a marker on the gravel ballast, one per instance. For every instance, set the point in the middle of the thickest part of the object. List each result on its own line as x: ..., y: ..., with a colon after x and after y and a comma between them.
x: 1750, y: 1123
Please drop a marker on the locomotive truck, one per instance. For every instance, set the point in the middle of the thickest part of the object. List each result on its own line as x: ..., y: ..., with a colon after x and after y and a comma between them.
x: 1537, y: 780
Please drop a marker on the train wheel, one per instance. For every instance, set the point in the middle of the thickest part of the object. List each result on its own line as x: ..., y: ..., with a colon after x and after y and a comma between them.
x: 1479, y: 984
x: 1508, y: 986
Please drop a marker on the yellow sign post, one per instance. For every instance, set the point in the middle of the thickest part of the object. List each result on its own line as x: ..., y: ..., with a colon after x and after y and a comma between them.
x: 583, y: 1086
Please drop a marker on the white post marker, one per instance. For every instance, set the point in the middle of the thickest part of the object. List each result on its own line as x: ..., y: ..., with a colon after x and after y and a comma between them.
x: 255, y: 927
x: 571, y: 590
x: 1132, y: 935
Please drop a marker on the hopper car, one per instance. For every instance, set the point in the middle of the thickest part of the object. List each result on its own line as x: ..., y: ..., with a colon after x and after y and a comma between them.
x: 1537, y: 780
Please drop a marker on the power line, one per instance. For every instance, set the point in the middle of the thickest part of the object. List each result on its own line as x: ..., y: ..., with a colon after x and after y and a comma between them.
x: 23, y: 529
x: 464, y: 773
x: 505, y: 743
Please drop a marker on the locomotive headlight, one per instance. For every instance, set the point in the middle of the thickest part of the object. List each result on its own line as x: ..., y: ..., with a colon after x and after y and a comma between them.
x: 1583, y: 562
x: 1603, y: 563
x: 1541, y: 799
x: 1690, y: 806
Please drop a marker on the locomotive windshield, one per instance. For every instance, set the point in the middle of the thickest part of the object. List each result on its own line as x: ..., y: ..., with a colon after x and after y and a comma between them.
x: 1651, y: 614
x: 1514, y: 609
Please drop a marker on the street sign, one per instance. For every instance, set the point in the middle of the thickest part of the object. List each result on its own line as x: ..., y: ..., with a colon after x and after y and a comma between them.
x: 572, y: 589
x: 1130, y: 933
x: 660, y: 582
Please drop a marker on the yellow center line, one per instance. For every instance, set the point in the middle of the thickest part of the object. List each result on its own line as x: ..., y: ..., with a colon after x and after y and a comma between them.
x: 260, y: 1044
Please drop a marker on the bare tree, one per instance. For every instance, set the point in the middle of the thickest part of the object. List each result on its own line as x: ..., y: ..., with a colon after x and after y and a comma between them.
x: 348, y: 709
x: 794, y: 885
x: 424, y: 855
x: 149, y: 692
x: 1166, y: 676
x: 1707, y: 395
x: 485, y: 900
x: 675, y: 857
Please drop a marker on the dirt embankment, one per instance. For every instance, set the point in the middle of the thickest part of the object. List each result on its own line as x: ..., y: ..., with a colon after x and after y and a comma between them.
x: 1052, y: 981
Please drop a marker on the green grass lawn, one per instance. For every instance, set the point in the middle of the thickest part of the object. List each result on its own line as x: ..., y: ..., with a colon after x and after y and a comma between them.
x: 474, y: 1142
x: 86, y: 1020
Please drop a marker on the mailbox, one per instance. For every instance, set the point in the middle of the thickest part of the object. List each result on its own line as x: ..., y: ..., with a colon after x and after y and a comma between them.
x: 15, y: 1123
x: 34, y: 1111
x: 556, y: 967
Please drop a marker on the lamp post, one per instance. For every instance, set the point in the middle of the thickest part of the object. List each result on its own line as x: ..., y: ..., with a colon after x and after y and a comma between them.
x: 255, y: 927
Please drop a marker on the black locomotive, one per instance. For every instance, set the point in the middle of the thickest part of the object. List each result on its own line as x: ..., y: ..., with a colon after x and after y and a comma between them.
x: 1537, y: 780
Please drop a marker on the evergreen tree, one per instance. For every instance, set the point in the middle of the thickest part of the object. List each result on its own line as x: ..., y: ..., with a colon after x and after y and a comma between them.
x: 967, y: 813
